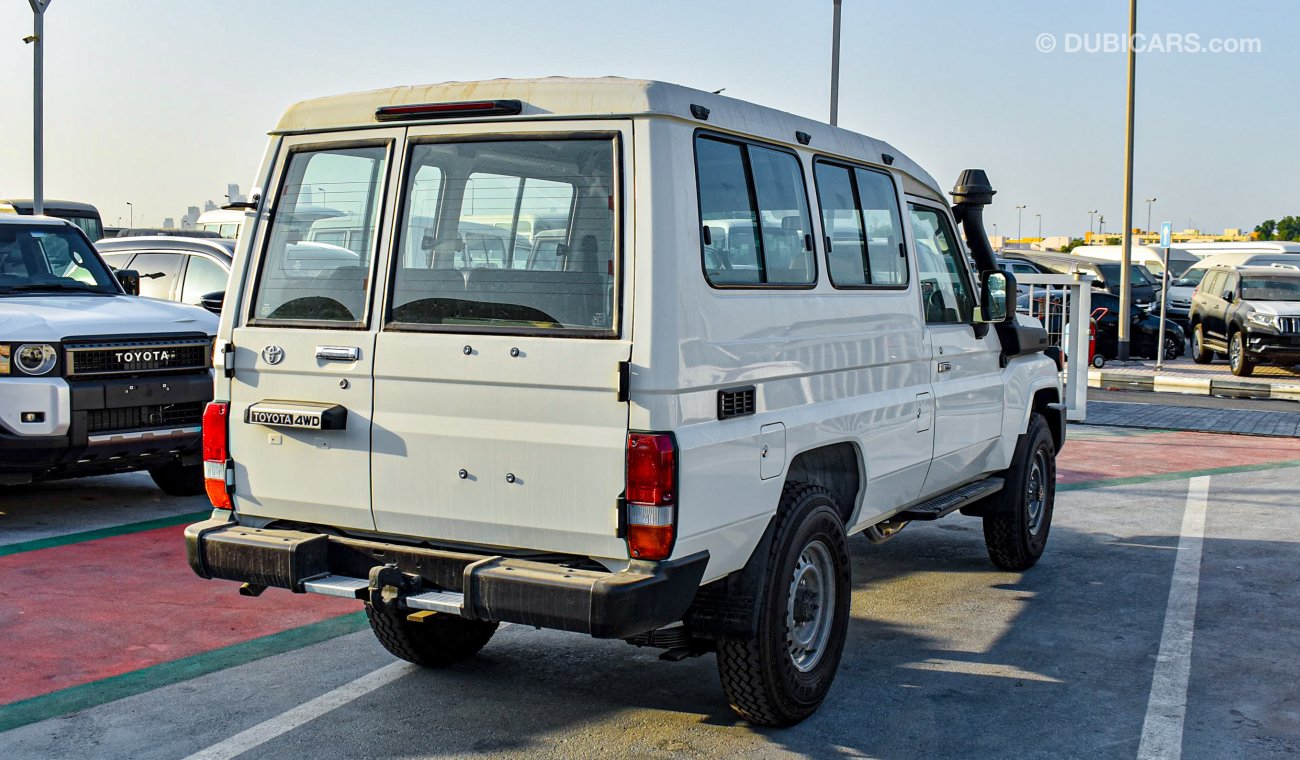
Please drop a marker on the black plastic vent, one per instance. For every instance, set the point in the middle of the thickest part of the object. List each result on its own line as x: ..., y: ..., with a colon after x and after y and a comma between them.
x: 736, y: 402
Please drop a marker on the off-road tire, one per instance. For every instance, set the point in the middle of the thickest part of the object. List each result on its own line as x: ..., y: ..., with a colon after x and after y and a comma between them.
x: 759, y: 675
x: 1199, y: 354
x: 436, y: 642
x: 176, y: 479
x: 1243, y: 366
x: 1009, y: 534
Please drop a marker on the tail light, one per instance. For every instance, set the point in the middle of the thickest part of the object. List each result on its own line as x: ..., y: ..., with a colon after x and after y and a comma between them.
x: 216, y: 454
x: 651, y: 495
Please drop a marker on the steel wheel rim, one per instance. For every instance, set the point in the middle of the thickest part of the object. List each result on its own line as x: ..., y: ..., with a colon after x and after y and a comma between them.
x: 1036, y: 492
x: 810, y: 608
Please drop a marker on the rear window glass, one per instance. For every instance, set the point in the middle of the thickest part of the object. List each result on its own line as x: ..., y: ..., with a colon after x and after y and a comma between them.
x: 508, y: 235
x: 303, y: 279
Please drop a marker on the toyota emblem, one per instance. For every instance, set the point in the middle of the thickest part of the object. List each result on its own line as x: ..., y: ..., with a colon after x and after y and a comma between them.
x: 273, y: 355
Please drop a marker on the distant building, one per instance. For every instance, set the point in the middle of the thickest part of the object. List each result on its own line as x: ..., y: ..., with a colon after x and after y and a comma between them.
x: 1190, y: 235
x: 169, y: 223
x: 233, y: 194
x: 190, y: 219
x: 209, y: 206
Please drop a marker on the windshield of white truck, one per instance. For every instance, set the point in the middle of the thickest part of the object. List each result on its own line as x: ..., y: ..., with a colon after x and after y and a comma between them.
x: 46, y: 258
x: 508, y: 236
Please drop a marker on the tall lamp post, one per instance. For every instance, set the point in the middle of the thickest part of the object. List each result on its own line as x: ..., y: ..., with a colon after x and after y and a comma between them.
x: 835, y: 66
x: 37, y: 41
x: 1126, y: 263
x: 1019, y: 210
x: 131, y: 206
x: 1091, y: 212
x: 1149, y: 201
x: 1040, y: 227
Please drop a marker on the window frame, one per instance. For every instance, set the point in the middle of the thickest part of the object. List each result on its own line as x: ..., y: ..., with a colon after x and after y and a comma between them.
x: 614, y: 137
x: 963, y: 269
x: 267, y: 228
x: 852, y: 168
x: 744, y: 142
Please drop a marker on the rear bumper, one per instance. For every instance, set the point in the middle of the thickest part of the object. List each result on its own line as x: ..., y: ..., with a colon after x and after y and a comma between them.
x: 645, y: 596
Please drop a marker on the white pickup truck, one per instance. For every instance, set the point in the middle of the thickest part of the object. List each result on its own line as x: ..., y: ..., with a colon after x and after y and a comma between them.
x: 756, y: 335
x: 93, y: 379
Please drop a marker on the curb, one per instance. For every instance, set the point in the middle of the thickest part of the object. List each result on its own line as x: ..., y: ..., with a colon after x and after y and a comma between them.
x: 1193, y: 385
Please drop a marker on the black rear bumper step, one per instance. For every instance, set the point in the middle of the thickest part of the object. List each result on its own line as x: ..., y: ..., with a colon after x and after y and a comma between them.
x: 645, y: 596
x: 952, y: 501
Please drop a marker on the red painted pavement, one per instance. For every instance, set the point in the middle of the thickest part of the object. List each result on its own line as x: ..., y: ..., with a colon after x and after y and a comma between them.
x: 78, y: 613
x: 1135, y: 455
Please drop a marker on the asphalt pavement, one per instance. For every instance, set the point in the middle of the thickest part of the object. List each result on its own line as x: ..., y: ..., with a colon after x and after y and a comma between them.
x: 947, y: 657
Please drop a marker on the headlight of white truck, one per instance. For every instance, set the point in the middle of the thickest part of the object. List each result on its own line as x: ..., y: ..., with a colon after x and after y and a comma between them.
x: 1264, y: 320
x: 35, y: 358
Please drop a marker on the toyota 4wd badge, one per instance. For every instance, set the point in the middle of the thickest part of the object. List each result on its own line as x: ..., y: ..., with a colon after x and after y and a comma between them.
x: 273, y: 354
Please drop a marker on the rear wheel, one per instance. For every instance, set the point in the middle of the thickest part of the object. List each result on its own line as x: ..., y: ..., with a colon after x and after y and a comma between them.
x: 1171, y: 349
x: 781, y: 676
x: 1199, y: 354
x: 1098, y: 361
x: 1238, y: 360
x: 436, y: 641
x: 176, y: 479
x: 1017, y: 518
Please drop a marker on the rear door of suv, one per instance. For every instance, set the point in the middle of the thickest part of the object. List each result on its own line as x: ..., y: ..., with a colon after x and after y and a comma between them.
x: 498, y: 418
x: 301, y: 396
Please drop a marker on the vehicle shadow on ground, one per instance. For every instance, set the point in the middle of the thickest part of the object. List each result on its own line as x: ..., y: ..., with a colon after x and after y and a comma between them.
x: 958, y: 655
x: 63, y: 507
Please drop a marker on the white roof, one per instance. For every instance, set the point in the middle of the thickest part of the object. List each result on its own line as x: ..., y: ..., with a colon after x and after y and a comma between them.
x: 24, y: 219
x: 564, y: 97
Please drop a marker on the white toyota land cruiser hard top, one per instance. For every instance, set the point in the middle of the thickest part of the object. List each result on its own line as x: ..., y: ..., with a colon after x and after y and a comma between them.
x: 94, y: 379
x: 615, y: 357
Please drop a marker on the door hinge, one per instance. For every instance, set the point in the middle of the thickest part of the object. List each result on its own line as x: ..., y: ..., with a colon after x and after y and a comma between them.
x: 624, y: 380
x: 228, y: 359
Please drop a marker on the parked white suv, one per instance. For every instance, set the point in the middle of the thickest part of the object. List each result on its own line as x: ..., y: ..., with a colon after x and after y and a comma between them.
x: 664, y: 433
x: 94, y: 379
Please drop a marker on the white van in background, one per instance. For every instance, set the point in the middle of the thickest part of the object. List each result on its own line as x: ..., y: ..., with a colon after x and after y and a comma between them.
x: 1149, y: 256
x: 225, y: 222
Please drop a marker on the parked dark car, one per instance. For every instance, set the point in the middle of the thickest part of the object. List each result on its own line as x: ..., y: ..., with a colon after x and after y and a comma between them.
x: 184, y: 269
x: 1143, y: 336
x: 1250, y: 313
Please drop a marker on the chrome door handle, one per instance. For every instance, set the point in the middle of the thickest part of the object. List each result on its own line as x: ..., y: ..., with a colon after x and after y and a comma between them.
x: 945, y: 366
x: 338, y: 353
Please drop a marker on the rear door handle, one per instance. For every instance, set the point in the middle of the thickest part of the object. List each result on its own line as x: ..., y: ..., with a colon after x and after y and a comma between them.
x: 338, y: 353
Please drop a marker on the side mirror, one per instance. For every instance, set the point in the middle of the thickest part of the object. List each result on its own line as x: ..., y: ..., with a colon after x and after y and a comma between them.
x: 996, y: 288
x: 213, y: 301
x: 1228, y: 296
x: 129, y: 280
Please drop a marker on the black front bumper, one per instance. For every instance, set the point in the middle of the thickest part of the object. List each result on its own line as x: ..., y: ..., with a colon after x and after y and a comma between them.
x: 1274, y: 348
x: 115, y: 425
x: 645, y: 596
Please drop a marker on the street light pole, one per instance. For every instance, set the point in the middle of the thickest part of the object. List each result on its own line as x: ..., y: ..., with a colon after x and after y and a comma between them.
x: 1126, y: 263
x: 37, y: 41
x: 131, y: 206
x: 1149, y: 202
x: 1090, y: 213
x: 1040, y: 227
x: 835, y: 66
x: 1019, y: 210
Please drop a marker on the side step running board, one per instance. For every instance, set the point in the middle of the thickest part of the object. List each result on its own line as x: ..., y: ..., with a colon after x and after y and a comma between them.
x: 951, y: 501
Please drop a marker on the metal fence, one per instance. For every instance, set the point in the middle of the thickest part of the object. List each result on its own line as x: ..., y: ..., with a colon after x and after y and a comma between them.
x: 1063, y: 304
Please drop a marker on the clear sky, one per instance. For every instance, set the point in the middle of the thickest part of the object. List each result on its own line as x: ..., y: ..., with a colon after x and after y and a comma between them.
x: 162, y: 102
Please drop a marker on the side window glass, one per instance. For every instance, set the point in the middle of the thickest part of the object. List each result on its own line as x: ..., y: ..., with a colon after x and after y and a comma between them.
x: 157, y: 273
x: 783, y: 214
x: 845, y: 240
x: 756, y: 227
x: 116, y: 260
x: 885, y: 250
x: 202, y: 276
x: 301, y: 279
x: 945, y: 291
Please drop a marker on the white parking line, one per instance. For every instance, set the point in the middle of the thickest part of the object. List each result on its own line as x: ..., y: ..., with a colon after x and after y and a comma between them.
x: 1162, y: 732
x: 287, y: 721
